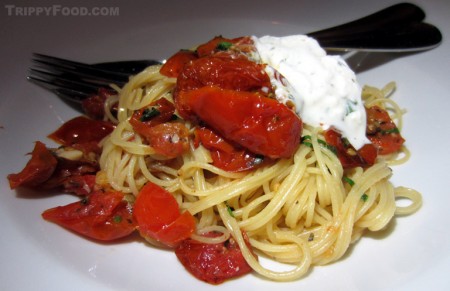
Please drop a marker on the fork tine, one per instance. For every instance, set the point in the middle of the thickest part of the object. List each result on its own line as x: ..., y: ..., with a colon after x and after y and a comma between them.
x: 65, y: 93
x: 71, y: 80
x: 67, y: 88
x: 67, y: 79
x: 83, y: 71
x: 63, y: 79
x: 90, y: 77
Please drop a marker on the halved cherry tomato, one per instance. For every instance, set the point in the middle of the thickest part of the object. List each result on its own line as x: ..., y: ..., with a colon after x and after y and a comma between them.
x: 225, y: 155
x: 219, y: 44
x: 259, y: 124
x: 46, y: 171
x: 347, y: 154
x: 212, y: 46
x: 212, y: 263
x: 170, y: 139
x: 157, y: 112
x: 38, y: 169
x: 382, y: 131
x: 101, y: 216
x: 158, y: 216
x: 175, y: 63
x: 81, y: 130
x: 238, y: 74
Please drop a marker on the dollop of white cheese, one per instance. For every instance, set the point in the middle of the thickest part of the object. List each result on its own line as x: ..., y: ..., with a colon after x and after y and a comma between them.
x: 322, y: 87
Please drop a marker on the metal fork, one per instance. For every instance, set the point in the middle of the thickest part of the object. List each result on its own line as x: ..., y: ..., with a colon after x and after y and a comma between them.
x: 75, y: 81
x: 399, y: 28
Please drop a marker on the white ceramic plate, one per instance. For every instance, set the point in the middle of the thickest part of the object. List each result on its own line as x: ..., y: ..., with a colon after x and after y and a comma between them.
x: 412, y: 254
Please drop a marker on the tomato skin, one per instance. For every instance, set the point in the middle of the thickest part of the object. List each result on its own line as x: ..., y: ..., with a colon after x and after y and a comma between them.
x: 165, y: 112
x: 225, y: 155
x: 170, y: 139
x: 46, y: 171
x: 348, y: 156
x: 259, y: 124
x: 212, y: 263
x: 38, y: 169
x: 211, y: 46
x: 101, y: 216
x: 238, y: 74
x: 175, y: 64
x: 382, y: 131
x: 242, y: 44
x: 224, y: 71
x: 158, y: 216
x: 81, y: 130
x: 177, y: 231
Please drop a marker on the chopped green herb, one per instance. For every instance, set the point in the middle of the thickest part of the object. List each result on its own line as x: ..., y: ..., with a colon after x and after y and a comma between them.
x: 306, y: 137
x: 149, y: 113
x: 364, y: 197
x: 117, y: 219
x: 394, y: 130
x: 349, y: 181
x: 224, y: 45
x: 230, y: 210
x: 350, y: 107
x: 311, y: 236
x: 306, y: 140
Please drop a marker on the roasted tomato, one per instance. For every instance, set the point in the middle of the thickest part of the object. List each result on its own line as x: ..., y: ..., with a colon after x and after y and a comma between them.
x: 38, y: 169
x: 382, y: 131
x: 223, y: 71
x: 176, y: 63
x: 101, y: 216
x: 347, y: 154
x: 48, y: 171
x: 238, y: 74
x: 170, y: 139
x: 221, y: 44
x: 216, y: 44
x: 259, y: 124
x: 212, y: 263
x: 81, y: 130
x: 157, y: 112
x: 158, y: 216
x: 72, y: 176
x: 225, y: 155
